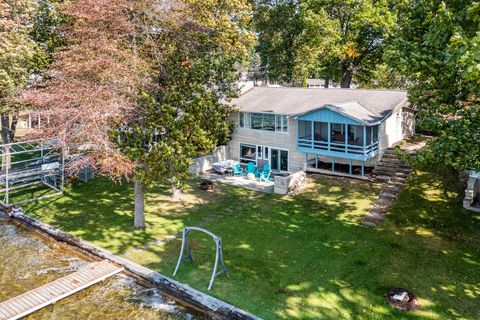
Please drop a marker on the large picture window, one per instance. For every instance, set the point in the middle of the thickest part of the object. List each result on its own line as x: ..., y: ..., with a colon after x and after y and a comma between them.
x: 247, y: 153
x: 263, y: 121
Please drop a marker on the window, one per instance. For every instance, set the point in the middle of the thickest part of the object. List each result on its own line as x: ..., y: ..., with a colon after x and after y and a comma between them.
x: 247, y: 153
x: 305, y: 130
x: 281, y: 123
x: 244, y: 121
x: 268, y: 123
x: 259, y: 152
x: 263, y: 121
x: 257, y: 121
x: 265, y: 153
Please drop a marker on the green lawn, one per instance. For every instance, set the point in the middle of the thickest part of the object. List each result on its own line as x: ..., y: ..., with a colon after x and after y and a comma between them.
x: 299, y: 257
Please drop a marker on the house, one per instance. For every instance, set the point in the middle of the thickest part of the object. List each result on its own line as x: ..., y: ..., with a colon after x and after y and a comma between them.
x: 342, y: 131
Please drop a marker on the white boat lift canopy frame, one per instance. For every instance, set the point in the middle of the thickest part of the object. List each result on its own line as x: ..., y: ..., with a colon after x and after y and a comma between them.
x: 46, y: 167
x: 218, y: 255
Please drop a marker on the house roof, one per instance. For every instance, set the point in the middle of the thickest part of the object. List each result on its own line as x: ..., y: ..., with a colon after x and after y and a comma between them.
x: 368, y: 106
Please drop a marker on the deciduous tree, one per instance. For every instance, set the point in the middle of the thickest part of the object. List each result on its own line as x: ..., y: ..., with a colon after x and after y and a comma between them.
x: 144, y: 85
x: 438, y: 48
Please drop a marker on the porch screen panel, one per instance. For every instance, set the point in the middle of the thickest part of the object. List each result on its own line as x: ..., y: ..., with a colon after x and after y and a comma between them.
x: 369, y: 136
x: 305, y: 130
x: 375, y: 133
x: 338, y: 133
x: 321, y: 131
x: 355, y: 135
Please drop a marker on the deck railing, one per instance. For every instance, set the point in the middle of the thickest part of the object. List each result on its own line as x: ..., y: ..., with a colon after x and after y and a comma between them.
x: 338, y: 147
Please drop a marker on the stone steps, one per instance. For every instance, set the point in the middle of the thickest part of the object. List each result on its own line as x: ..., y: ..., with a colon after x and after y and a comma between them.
x: 394, y: 172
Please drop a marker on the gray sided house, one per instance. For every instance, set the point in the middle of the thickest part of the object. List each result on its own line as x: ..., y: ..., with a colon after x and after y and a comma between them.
x: 319, y: 130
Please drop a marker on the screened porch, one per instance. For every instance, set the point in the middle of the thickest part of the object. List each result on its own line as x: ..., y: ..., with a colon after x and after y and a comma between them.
x: 342, y: 140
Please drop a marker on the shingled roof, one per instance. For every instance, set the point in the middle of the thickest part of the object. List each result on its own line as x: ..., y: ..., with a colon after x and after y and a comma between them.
x: 367, y: 106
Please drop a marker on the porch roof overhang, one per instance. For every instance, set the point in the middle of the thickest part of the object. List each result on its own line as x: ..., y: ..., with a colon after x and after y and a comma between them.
x: 352, y: 110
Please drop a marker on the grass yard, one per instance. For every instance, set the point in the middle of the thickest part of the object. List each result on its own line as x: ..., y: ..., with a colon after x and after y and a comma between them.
x: 302, y: 257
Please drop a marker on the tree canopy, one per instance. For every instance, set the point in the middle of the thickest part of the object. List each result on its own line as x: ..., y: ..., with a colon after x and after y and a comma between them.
x: 336, y: 40
x: 21, y: 56
x: 437, y: 48
x: 144, y: 85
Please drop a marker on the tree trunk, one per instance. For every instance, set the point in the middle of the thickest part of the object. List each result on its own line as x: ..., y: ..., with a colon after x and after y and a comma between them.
x: 346, y: 75
x: 5, y: 128
x: 139, y: 218
x: 7, y: 137
x: 13, y: 126
x: 177, y: 194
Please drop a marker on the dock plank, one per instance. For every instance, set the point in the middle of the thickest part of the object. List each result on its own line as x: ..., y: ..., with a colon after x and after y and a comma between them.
x: 54, y: 291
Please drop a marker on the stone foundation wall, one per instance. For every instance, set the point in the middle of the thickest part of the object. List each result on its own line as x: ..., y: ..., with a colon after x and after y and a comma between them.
x: 203, y: 164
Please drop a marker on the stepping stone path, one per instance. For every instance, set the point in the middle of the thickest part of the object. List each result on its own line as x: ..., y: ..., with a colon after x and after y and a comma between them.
x: 394, y: 172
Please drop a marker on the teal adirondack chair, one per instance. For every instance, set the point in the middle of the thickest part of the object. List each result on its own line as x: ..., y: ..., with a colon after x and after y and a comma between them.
x: 251, y: 167
x: 265, y: 173
x: 237, y: 170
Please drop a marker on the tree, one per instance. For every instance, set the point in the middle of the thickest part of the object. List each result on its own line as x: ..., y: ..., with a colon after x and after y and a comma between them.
x: 437, y: 47
x: 140, y: 82
x: 278, y: 25
x: 20, y: 57
x: 336, y: 40
x: 186, y: 114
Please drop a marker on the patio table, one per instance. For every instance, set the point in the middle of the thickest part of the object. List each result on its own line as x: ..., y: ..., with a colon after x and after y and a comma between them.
x: 223, y: 167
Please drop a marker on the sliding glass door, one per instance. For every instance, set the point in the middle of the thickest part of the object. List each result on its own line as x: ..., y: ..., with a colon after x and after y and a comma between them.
x: 279, y: 160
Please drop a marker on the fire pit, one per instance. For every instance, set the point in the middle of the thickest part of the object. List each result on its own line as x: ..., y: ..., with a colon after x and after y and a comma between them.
x: 402, y: 299
x: 206, y: 185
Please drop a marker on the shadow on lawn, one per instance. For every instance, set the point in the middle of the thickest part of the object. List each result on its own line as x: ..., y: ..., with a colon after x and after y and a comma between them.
x: 294, y: 257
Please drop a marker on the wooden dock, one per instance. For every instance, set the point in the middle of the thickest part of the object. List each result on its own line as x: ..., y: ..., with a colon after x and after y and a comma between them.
x: 54, y: 291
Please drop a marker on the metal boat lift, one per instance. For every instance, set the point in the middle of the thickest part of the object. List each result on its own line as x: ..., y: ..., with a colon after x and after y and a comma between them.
x: 31, y: 163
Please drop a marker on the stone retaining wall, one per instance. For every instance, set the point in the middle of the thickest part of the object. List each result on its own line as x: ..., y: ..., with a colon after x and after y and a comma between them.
x: 202, y: 164
x: 472, y: 192
x: 284, y: 184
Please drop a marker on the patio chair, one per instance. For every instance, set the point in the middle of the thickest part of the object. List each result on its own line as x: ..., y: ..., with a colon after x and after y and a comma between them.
x: 237, y: 170
x: 266, y: 168
x: 265, y: 175
x: 251, y: 168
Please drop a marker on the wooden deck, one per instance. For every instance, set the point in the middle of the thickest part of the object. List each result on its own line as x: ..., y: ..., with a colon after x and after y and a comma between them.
x: 54, y: 291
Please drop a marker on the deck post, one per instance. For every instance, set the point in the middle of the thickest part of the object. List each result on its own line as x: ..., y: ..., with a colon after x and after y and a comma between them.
x: 363, y: 168
x: 364, y: 139
x: 346, y: 138
x: 350, y: 166
x: 329, y: 135
x: 316, y: 161
x: 306, y: 161
x: 312, y: 135
x: 333, y: 164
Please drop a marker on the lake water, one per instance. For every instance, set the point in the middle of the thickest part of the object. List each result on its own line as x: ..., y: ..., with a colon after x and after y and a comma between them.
x: 27, y: 261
